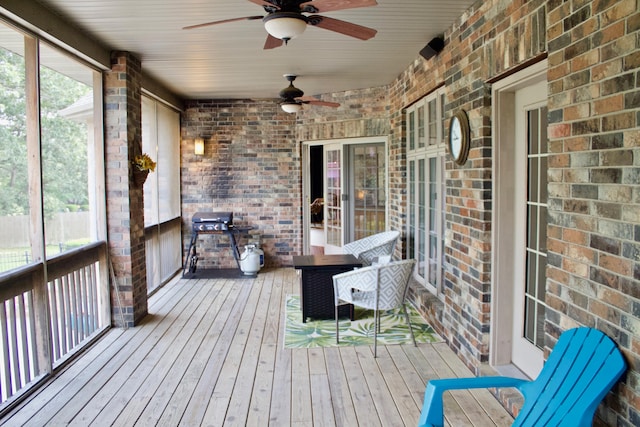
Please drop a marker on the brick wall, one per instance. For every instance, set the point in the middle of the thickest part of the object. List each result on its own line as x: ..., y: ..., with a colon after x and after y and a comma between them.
x: 251, y: 167
x: 594, y: 180
x: 125, y: 203
x: 485, y: 42
x: 594, y: 113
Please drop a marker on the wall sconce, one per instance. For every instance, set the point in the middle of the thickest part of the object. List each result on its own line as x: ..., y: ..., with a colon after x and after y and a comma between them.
x: 198, y: 146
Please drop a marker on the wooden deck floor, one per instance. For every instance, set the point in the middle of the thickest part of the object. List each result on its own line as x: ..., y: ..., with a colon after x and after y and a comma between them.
x: 211, y: 353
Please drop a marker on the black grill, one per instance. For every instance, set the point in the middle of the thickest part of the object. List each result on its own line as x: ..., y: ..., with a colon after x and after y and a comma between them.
x: 212, y: 221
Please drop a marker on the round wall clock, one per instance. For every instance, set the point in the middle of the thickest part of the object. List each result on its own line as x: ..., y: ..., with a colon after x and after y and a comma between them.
x: 459, y: 134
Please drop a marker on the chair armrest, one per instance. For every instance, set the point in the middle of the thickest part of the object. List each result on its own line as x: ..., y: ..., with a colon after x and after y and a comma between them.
x: 432, y: 411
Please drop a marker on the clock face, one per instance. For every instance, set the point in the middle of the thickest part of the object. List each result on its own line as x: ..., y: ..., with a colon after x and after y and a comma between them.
x: 455, y: 138
x: 459, y: 137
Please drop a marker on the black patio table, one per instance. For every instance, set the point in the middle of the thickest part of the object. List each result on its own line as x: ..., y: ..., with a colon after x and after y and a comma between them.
x: 316, y: 284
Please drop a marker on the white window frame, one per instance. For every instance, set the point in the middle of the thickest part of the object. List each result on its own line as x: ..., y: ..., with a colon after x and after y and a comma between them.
x: 432, y: 147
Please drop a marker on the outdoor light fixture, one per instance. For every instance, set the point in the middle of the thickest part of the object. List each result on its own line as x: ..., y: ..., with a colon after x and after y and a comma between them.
x: 285, y: 25
x: 198, y: 146
x: 291, y: 107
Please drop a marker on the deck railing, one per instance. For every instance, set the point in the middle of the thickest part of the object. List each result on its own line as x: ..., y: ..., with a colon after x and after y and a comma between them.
x: 48, y: 312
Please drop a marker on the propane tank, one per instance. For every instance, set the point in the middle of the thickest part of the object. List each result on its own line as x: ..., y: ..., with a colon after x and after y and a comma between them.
x: 251, y: 260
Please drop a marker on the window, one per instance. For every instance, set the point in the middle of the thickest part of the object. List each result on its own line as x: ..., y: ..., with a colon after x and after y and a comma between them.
x: 67, y: 147
x: 14, y: 185
x: 161, y: 140
x: 425, y: 188
x: 52, y: 162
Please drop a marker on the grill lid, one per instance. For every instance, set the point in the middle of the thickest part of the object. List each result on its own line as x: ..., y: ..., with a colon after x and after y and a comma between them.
x: 213, y: 217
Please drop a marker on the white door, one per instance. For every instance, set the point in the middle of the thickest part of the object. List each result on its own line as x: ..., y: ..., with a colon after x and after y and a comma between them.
x: 530, y: 228
x: 519, y: 222
x: 333, y: 199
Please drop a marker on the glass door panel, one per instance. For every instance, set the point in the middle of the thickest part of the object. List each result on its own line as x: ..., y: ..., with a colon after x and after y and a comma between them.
x: 433, y: 212
x: 421, y: 255
x: 369, y: 183
x: 536, y: 227
x: 530, y: 246
x: 411, y: 212
x: 333, y: 200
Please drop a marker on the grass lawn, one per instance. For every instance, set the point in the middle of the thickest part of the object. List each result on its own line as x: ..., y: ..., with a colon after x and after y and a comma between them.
x: 16, y: 257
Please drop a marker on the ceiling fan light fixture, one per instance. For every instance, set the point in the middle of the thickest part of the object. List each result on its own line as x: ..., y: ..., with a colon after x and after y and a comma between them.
x: 285, y: 25
x: 291, y: 107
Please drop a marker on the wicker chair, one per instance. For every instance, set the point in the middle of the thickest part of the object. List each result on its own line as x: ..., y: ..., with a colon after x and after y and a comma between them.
x: 370, y: 248
x: 377, y: 287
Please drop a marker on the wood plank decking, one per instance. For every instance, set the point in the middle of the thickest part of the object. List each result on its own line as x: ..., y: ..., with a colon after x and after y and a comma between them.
x: 211, y: 353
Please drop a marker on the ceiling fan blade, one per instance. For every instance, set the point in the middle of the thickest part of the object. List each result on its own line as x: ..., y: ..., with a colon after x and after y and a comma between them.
x: 224, y: 21
x: 322, y: 6
x: 265, y: 3
x: 272, y: 42
x: 342, y: 27
x: 313, y: 101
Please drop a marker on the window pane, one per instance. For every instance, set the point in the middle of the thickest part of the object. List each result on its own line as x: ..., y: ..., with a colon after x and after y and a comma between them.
x: 369, y: 189
x: 422, y: 218
x: 533, y: 124
x: 543, y: 180
x: 412, y: 131
x: 66, y: 115
x: 536, y: 226
x: 532, y: 227
x: 433, y: 218
x: 443, y: 122
x: 411, y: 233
x: 421, y: 128
x: 533, y: 179
x: 14, y: 187
x: 333, y: 201
x: 433, y: 123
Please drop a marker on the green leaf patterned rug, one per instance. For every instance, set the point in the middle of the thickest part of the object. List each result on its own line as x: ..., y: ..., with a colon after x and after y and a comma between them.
x: 322, y: 333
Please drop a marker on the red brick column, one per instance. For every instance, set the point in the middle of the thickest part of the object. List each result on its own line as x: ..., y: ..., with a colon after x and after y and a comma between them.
x: 125, y: 204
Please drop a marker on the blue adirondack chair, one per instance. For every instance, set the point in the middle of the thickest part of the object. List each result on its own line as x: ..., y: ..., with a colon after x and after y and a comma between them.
x: 581, y: 369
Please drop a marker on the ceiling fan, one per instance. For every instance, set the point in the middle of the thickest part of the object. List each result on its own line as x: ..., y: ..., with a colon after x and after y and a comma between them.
x: 292, y: 98
x: 285, y: 19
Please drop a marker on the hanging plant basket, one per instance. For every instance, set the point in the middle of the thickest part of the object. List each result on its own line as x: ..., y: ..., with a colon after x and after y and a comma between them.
x: 139, y: 177
x: 142, y: 165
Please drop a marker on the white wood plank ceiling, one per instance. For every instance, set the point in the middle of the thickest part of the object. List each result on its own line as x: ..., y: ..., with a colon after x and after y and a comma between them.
x: 228, y: 60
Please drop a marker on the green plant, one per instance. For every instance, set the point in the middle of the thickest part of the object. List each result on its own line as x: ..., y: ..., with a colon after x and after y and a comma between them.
x: 144, y: 163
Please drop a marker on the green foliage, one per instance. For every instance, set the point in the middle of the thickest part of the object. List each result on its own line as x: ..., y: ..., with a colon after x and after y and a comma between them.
x: 13, y: 156
x: 63, y: 146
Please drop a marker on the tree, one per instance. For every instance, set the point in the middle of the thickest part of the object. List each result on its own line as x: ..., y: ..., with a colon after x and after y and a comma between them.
x: 63, y: 141
x: 14, y: 197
